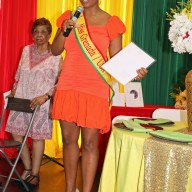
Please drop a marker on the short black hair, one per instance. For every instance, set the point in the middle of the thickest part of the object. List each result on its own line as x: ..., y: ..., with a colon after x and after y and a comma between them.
x: 42, y: 21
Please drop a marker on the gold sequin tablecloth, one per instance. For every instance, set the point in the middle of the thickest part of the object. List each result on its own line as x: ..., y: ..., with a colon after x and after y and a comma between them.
x: 167, y: 165
x: 124, y: 165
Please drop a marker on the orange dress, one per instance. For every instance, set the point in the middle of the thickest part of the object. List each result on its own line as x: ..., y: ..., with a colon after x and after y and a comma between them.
x: 82, y: 96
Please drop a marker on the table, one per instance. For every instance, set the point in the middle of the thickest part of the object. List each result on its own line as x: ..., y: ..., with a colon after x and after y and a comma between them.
x: 123, y: 169
x: 145, y: 111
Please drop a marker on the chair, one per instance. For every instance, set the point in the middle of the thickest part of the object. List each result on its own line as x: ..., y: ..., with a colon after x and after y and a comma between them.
x: 51, y: 159
x: 21, y: 105
x: 172, y: 114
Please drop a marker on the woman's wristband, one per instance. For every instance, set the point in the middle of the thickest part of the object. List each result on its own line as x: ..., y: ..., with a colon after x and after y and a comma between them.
x: 48, y: 96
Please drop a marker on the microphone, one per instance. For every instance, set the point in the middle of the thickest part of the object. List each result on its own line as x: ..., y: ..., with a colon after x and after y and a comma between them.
x: 74, y: 18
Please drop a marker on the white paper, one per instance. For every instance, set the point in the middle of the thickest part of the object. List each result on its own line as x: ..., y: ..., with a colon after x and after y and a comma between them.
x: 123, y: 65
x: 5, y: 94
x: 119, y: 98
x: 134, y: 94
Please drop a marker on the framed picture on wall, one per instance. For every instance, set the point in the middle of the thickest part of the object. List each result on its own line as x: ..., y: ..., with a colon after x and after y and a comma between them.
x: 133, y: 94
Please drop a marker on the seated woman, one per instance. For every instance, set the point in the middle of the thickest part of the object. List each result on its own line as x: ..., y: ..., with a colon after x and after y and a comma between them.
x: 35, y: 80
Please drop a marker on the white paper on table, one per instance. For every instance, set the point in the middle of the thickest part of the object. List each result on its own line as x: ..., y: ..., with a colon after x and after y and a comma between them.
x: 123, y: 65
x: 133, y: 94
x: 118, y: 98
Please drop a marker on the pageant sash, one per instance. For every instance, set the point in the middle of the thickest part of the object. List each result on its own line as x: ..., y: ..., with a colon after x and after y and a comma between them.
x: 91, y: 52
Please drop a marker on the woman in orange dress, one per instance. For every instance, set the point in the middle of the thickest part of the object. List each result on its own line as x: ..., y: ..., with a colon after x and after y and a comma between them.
x: 82, y: 99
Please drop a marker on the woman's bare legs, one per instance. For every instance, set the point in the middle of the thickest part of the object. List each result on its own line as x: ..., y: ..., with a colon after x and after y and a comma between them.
x: 25, y: 157
x: 70, y: 135
x: 90, y: 157
x: 37, y: 154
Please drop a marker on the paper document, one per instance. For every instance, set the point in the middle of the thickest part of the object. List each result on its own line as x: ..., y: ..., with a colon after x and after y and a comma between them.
x: 5, y: 94
x: 123, y: 66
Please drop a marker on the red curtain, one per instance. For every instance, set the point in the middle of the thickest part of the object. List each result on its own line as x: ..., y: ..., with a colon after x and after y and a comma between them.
x: 15, y: 33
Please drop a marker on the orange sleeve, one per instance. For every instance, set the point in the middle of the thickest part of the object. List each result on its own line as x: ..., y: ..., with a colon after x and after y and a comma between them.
x: 115, y: 26
x: 63, y: 17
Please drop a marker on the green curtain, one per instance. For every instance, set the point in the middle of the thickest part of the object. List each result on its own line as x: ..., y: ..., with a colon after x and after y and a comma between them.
x: 150, y: 32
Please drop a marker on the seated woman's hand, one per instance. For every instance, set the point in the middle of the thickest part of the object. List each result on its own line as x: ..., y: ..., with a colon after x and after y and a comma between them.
x: 12, y: 94
x: 38, y: 101
x: 141, y: 73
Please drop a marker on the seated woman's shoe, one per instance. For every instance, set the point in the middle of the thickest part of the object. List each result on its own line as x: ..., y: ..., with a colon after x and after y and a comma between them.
x: 26, y: 173
x: 32, y: 182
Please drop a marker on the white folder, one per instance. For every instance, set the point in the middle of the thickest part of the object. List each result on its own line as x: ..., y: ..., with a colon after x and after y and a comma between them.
x: 123, y: 65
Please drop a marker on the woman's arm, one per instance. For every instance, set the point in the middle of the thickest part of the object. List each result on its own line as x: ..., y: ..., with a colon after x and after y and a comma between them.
x: 57, y: 46
x: 17, y: 76
x: 115, y: 46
